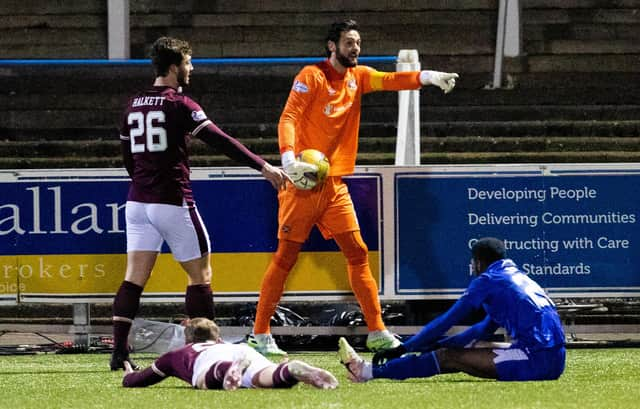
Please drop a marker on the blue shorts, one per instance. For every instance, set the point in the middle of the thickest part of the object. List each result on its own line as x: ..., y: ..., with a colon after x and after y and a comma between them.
x: 522, y: 364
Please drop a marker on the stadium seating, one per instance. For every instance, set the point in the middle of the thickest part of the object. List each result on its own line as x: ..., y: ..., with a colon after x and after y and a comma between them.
x: 571, y: 97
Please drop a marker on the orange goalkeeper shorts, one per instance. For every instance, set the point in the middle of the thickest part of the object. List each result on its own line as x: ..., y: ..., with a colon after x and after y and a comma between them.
x: 327, y: 206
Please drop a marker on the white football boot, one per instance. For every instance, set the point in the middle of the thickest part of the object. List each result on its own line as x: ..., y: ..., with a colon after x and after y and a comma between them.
x: 266, y: 345
x: 357, y: 369
x: 381, y: 340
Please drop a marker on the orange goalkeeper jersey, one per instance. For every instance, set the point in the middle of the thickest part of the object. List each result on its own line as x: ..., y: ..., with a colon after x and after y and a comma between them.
x: 323, y: 110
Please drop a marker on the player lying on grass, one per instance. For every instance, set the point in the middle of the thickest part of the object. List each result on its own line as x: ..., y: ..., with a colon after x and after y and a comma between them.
x: 207, y: 362
x: 510, y: 299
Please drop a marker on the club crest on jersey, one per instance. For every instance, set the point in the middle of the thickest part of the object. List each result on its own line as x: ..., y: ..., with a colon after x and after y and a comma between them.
x: 198, y: 115
x: 300, y: 86
x: 328, y: 109
x: 352, y: 84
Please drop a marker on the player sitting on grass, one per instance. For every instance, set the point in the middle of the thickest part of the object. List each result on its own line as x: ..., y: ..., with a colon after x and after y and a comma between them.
x: 510, y: 299
x: 207, y: 362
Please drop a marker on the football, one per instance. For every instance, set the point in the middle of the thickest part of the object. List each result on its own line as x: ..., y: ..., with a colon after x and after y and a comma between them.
x: 309, y: 180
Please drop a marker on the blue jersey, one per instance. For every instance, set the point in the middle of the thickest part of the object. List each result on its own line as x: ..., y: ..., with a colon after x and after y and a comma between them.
x: 511, y: 300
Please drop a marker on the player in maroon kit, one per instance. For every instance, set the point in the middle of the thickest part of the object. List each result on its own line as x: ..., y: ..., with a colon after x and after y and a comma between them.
x: 156, y: 128
x: 207, y: 362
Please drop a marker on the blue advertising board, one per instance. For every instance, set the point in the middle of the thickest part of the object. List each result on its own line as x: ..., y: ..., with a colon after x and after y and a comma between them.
x: 572, y: 227
x: 63, y: 237
x: 575, y: 233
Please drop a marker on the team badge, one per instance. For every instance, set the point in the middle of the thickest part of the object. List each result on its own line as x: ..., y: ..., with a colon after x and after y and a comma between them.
x: 300, y: 86
x: 352, y: 84
x: 198, y: 115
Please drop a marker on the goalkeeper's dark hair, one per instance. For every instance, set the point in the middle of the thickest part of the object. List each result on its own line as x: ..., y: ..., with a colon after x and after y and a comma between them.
x: 166, y: 51
x: 201, y: 330
x: 488, y: 249
x: 337, y: 29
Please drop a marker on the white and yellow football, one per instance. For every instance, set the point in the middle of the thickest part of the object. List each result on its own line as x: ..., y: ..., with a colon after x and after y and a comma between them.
x: 309, y: 180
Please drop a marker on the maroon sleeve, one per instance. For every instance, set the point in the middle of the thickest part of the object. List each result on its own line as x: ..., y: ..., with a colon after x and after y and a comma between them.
x: 192, y: 114
x: 202, y: 127
x: 140, y: 379
x: 216, y: 138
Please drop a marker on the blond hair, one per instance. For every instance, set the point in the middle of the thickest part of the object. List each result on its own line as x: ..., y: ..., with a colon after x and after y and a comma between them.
x: 201, y: 330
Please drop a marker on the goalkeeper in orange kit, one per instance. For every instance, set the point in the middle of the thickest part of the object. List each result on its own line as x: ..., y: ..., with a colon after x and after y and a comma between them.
x: 323, y: 113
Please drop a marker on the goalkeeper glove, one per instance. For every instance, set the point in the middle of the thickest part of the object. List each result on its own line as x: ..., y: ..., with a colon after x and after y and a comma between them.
x: 444, y: 80
x: 388, y: 354
x: 294, y: 168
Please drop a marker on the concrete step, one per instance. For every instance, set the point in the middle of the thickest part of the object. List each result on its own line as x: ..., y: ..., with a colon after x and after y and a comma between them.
x: 62, y: 148
x: 363, y: 159
x: 591, y: 12
x: 606, y: 46
x: 506, y: 157
x: 627, y: 128
x: 35, y: 94
x: 255, y: 28
x: 79, y: 7
x: 488, y: 128
x: 17, y: 7
x: 262, y: 85
x: 579, y: 31
x: 469, y: 149
x: 308, y: 6
x: 367, y: 144
x: 613, y: 101
x: 479, y: 144
x: 245, y: 122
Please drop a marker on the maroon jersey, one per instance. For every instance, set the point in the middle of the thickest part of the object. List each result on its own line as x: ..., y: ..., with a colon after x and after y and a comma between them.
x: 157, y: 124
x: 178, y: 363
x: 156, y: 128
x: 193, y: 361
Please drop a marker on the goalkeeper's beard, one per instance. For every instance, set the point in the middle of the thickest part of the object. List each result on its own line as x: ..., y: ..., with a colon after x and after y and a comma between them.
x: 345, y: 61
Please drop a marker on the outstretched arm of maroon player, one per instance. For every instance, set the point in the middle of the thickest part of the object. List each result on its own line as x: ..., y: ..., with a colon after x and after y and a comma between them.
x: 147, y: 377
x: 219, y: 140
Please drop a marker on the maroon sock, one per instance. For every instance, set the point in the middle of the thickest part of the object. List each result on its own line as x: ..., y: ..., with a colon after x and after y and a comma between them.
x: 125, y: 304
x: 199, y: 301
x: 282, y: 378
x: 215, y: 375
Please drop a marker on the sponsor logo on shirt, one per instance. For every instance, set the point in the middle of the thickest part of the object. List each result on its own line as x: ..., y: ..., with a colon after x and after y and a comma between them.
x: 301, y: 87
x: 332, y: 109
x: 198, y: 115
x: 352, y: 84
x: 332, y: 91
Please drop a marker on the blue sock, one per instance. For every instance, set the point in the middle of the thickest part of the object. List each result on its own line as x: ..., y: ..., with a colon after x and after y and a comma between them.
x: 409, y: 366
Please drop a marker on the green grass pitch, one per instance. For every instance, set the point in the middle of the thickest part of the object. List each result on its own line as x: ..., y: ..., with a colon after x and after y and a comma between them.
x: 594, y: 378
